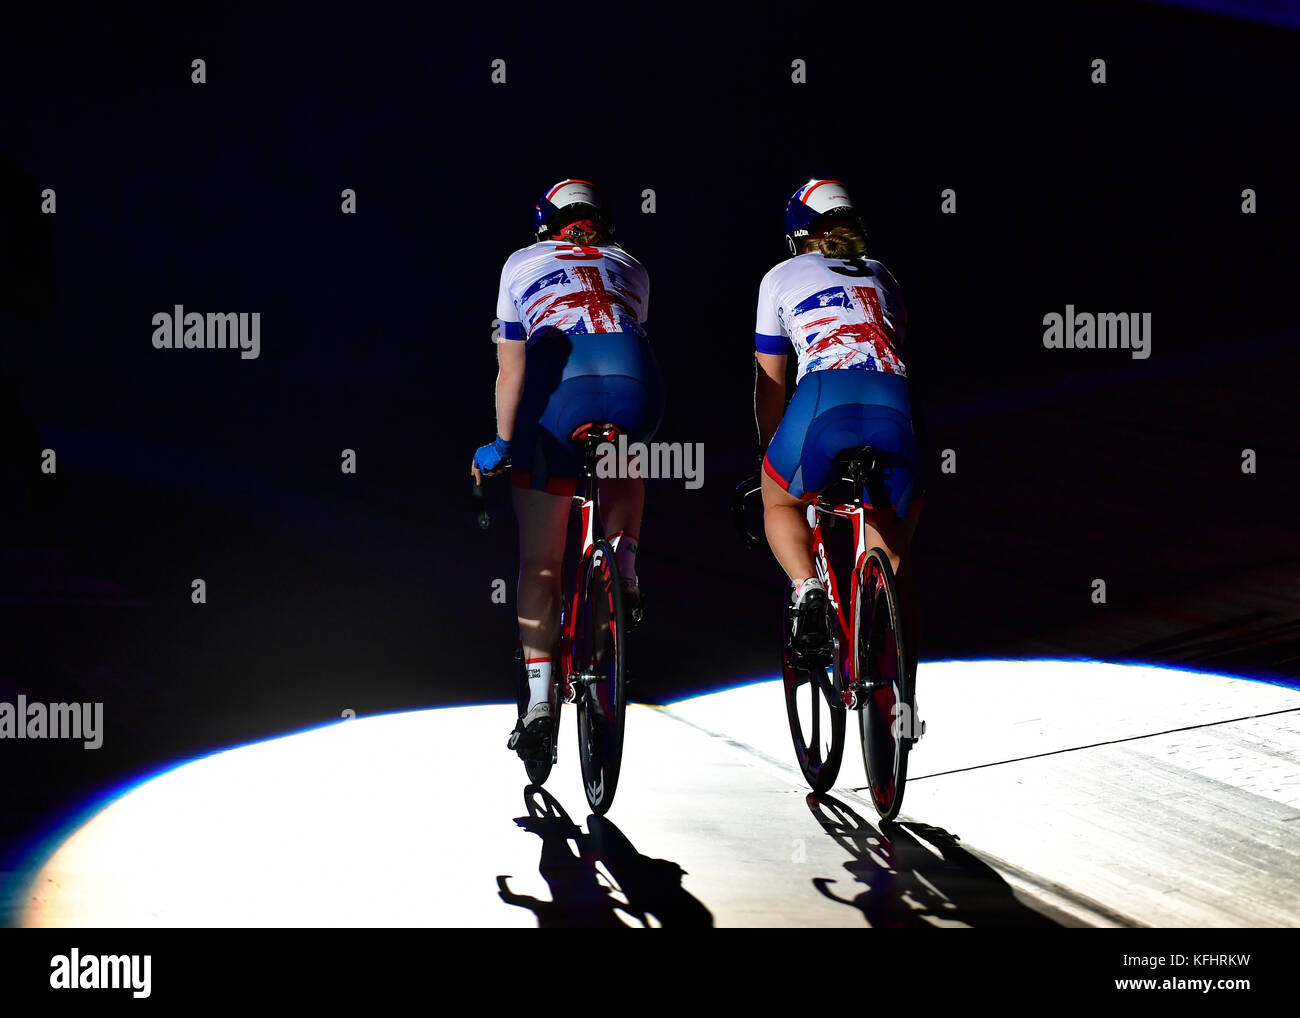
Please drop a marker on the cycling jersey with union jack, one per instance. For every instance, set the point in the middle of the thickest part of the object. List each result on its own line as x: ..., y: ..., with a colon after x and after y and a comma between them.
x: 836, y: 312
x: 553, y: 286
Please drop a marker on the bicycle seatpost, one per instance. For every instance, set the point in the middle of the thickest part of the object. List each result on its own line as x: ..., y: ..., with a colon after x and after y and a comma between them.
x: 590, y: 452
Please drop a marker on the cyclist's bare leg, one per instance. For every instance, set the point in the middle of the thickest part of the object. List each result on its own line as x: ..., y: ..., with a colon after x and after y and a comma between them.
x: 542, y: 521
x: 622, y: 502
x: 885, y: 530
x: 785, y: 521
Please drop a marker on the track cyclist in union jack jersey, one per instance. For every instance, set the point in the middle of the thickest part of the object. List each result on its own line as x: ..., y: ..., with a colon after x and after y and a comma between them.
x: 843, y: 314
x: 572, y: 349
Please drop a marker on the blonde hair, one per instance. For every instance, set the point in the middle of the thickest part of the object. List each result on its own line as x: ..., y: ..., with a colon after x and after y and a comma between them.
x: 839, y: 242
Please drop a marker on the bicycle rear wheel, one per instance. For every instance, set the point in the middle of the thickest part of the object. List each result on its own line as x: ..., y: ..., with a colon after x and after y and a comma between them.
x: 885, y: 711
x: 816, y: 717
x: 599, y: 666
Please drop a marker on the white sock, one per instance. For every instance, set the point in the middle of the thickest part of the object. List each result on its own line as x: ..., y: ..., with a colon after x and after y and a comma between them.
x: 539, y: 680
x: 625, y: 555
x: 811, y: 583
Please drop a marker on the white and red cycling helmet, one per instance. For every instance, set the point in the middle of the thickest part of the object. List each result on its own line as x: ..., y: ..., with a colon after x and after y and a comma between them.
x: 572, y: 200
x: 815, y: 200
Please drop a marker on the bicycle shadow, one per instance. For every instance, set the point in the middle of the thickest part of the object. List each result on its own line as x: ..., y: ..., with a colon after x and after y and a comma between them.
x: 598, y: 878
x: 907, y: 885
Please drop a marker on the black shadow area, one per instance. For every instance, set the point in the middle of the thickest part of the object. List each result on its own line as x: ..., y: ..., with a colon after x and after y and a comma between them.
x: 904, y: 884
x: 598, y: 878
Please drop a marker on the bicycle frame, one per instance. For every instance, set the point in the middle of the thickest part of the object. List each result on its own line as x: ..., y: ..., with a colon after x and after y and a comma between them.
x: 848, y: 683
x: 587, y: 501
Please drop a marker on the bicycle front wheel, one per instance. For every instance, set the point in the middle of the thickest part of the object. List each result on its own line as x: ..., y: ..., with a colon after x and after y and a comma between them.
x: 816, y: 717
x: 599, y: 667
x: 885, y: 704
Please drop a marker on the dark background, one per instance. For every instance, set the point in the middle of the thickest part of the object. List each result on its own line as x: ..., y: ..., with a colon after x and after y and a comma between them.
x: 372, y: 592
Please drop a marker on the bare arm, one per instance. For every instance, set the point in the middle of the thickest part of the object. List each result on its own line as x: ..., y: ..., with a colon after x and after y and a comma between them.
x: 769, y: 395
x: 510, y: 384
x: 509, y: 389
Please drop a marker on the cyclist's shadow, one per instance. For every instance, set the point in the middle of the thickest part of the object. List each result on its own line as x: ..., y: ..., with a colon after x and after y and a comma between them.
x: 606, y: 882
x: 907, y: 885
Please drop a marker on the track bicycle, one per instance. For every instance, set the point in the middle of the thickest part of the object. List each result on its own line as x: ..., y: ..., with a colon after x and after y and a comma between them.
x: 868, y: 675
x: 593, y: 652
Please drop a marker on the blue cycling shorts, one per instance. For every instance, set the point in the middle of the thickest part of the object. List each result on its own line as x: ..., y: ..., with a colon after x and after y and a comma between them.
x: 840, y: 409
x: 571, y: 380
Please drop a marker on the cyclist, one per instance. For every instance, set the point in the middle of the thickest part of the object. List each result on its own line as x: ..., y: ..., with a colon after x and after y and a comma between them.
x: 572, y: 349
x: 844, y: 315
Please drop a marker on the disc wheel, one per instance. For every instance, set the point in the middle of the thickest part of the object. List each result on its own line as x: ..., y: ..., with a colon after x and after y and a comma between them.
x: 598, y: 661
x: 817, y: 719
x: 885, y: 713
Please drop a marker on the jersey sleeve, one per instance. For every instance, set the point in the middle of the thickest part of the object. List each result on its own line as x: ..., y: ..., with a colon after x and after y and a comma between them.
x: 769, y: 333
x: 508, y: 323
